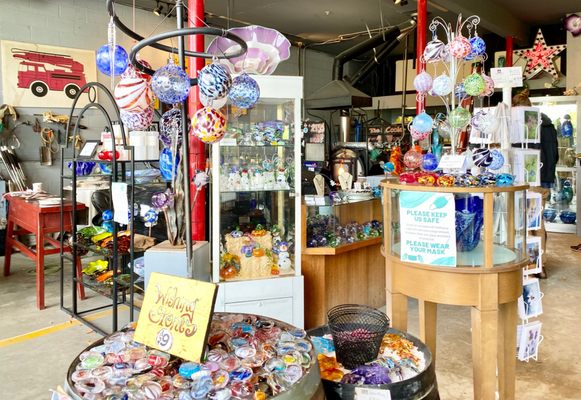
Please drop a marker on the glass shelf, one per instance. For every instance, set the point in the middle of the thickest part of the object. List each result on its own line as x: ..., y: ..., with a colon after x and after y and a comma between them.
x: 256, y: 190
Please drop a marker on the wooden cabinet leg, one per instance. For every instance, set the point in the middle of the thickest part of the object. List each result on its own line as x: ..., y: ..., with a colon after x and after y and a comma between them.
x: 428, y: 320
x: 484, y: 352
x: 397, y: 310
x: 40, y: 269
x: 507, y: 320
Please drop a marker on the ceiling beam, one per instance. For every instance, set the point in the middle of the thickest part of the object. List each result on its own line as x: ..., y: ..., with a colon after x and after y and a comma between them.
x: 493, y: 17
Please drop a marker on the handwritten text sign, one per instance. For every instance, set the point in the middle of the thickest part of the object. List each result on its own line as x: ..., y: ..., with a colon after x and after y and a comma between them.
x: 428, y: 232
x: 176, y: 315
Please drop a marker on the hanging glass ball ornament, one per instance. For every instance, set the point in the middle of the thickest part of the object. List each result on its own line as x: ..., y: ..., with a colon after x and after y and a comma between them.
x: 435, y: 51
x: 104, y: 55
x: 459, y: 117
x: 214, y: 81
x: 133, y: 94
x: 244, y: 92
x: 417, y: 136
x: 567, y: 126
x: 477, y: 47
x: 170, y: 127
x: 213, y: 103
x: 429, y: 162
x: 423, y: 82
x: 444, y: 129
x: 137, y: 121
x: 482, y: 157
x: 459, y: 47
x: 412, y: 159
x: 497, y: 160
x: 132, y: 71
x: 209, y: 125
x: 488, y: 85
x: 171, y: 84
x: 422, y: 122
x: 167, y: 164
x: 459, y: 91
x: 442, y: 85
x: 474, y: 84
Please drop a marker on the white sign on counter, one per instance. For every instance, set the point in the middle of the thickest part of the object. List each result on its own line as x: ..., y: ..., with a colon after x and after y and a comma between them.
x: 428, y: 230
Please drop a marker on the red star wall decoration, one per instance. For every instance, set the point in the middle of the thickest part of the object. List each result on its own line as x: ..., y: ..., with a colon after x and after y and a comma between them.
x: 540, y: 57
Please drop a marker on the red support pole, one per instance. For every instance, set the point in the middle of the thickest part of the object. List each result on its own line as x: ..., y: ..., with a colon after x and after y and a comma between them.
x: 197, y: 148
x: 421, y: 30
x: 509, y: 47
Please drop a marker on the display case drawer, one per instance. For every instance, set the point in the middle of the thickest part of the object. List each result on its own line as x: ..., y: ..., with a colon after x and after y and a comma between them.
x: 281, y: 309
x: 235, y: 292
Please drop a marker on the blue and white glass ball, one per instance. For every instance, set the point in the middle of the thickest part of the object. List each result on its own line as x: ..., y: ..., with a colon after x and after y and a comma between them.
x: 150, y: 217
x: 120, y: 62
x: 429, y: 162
x: 214, y: 81
x: 422, y: 122
x: 482, y: 157
x: 244, y: 92
x: 442, y: 85
x: 497, y: 160
x: 171, y: 84
x: 478, y: 47
x: 107, y: 215
x: 567, y: 126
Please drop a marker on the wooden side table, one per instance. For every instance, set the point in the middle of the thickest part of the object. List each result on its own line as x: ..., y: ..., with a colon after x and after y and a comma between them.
x: 490, y: 289
x: 30, y: 218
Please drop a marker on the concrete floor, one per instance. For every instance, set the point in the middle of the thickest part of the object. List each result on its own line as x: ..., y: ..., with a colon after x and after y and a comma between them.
x: 37, y: 347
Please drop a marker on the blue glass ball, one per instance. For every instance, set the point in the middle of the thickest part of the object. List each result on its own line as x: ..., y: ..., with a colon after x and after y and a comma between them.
x: 497, y: 159
x: 244, y: 92
x: 171, y: 84
x: 478, y: 47
x: 429, y: 162
x: 214, y: 81
x: 422, y: 122
x: 150, y: 217
x: 103, y: 58
x: 107, y: 215
x: 107, y: 225
x: 504, y: 180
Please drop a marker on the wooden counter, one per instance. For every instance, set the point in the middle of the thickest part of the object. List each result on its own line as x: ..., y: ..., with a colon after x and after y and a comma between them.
x: 351, y: 273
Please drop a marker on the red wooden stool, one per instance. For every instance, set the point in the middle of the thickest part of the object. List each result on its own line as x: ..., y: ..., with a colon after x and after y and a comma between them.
x: 33, y: 219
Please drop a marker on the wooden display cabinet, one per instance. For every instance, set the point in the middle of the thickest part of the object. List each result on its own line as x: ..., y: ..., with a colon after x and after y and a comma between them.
x: 348, y: 273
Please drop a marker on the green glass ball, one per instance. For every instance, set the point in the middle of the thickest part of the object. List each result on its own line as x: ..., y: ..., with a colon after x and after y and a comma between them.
x: 474, y: 85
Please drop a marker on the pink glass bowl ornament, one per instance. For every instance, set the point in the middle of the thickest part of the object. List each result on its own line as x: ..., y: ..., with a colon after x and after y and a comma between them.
x: 474, y: 84
x: 244, y: 92
x: 412, y: 159
x: 137, y: 121
x: 133, y: 94
x: 423, y: 82
x: 459, y: 117
x: 266, y: 49
x: 422, y: 122
x: 442, y: 85
x: 213, y: 103
x: 459, y: 47
x: 488, y: 85
x: 209, y: 125
x: 214, y: 81
x: 170, y: 84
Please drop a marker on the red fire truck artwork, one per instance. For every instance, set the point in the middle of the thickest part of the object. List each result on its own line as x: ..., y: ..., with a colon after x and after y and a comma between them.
x: 41, y: 72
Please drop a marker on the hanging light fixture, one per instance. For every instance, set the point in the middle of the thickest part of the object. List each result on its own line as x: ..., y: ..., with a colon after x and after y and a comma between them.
x: 157, y: 10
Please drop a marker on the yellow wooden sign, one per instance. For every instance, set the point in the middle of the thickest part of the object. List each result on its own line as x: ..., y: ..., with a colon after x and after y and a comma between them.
x: 176, y: 315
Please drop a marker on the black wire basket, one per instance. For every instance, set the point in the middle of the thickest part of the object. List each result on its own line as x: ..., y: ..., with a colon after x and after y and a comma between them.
x: 357, y: 332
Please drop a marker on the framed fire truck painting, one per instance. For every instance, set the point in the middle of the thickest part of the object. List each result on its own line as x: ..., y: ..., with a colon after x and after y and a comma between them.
x: 35, y: 75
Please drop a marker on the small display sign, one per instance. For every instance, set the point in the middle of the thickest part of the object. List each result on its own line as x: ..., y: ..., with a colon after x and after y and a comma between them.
x: 506, y: 77
x: 176, y: 315
x: 372, y: 394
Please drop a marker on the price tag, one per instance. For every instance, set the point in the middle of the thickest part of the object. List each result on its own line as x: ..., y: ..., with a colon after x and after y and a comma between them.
x: 506, y: 77
x: 372, y: 394
x: 455, y: 161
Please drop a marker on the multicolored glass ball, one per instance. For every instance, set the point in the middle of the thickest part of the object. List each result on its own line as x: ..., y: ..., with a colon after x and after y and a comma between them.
x: 445, y: 180
x: 412, y: 159
x: 474, y: 84
x: 459, y: 117
x: 423, y: 82
x: 429, y: 162
x: 171, y: 84
x: 137, y: 121
x: 482, y: 157
x: 422, y: 122
x: 442, y: 85
x: 170, y: 127
x: 435, y: 51
x: 417, y: 136
x: 478, y: 47
x: 488, y: 85
x: 209, y: 125
x: 497, y: 160
x: 459, y: 47
x: 244, y: 92
x: 104, y: 56
x: 214, y: 81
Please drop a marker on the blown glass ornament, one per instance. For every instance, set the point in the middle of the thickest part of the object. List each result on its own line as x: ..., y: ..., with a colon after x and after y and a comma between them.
x: 422, y: 122
x: 103, y: 58
x: 170, y: 84
x: 435, y: 51
x: 482, y: 157
x: 244, y: 92
x: 442, y: 85
x: 214, y: 81
x: 213, y: 103
x: 429, y: 162
x: 423, y: 82
x: 478, y: 47
x: 209, y: 125
x: 412, y: 159
x: 133, y: 94
x: 137, y: 121
x: 488, y: 85
x: 170, y: 127
x: 497, y: 160
x: 474, y: 84
x: 459, y: 47
x: 567, y: 126
x: 459, y: 117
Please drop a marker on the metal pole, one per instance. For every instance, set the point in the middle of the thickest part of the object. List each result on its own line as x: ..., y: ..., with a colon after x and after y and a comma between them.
x: 421, y: 43
x: 509, y: 47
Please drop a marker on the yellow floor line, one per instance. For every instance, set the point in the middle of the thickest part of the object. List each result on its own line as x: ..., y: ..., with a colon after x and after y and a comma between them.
x: 50, y: 329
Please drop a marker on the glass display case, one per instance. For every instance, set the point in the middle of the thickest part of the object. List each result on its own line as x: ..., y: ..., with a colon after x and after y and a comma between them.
x: 563, y: 206
x: 256, y: 205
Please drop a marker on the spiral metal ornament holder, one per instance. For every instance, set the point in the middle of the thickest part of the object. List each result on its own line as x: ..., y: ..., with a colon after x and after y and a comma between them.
x: 181, y: 52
